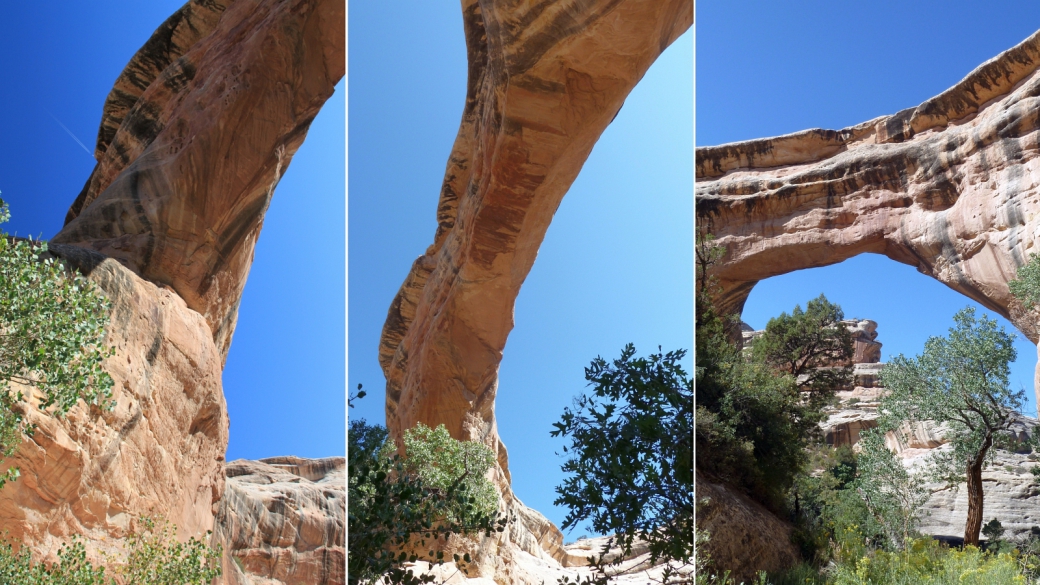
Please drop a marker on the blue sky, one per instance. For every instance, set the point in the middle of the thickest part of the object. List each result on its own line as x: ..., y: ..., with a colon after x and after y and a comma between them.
x: 616, y: 263
x: 284, y: 377
x: 767, y: 68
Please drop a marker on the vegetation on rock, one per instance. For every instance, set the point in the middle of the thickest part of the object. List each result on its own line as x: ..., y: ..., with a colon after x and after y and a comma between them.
x: 960, y: 381
x: 52, y: 330
x: 153, y: 557
x: 403, y: 510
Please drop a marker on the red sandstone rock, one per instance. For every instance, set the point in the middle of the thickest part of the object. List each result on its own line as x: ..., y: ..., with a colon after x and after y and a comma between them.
x: 545, y: 80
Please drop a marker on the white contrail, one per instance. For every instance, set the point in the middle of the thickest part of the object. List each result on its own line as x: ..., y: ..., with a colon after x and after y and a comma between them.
x: 87, y: 150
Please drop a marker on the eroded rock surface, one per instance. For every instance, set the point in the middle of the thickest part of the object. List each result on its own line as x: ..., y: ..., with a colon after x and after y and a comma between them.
x: 744, y: 537
x: 179, y: 193
x: 281, y: 522
x: 160, y: 452
x: 951, y: 187
x: 545, y: 80
x: 194, y: 137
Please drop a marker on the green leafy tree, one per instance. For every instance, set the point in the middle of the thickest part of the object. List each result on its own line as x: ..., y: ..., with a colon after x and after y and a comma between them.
x: 447, y: 465
x: 892, y: 494
x: 52, y: 329
x: 961, y: 381
x: 403, y: 510
x: 753, y: 427
x: 812, y: 346
x: 630, y: 459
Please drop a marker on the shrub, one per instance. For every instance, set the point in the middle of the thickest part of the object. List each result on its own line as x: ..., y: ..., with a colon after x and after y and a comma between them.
x: 153, y: 557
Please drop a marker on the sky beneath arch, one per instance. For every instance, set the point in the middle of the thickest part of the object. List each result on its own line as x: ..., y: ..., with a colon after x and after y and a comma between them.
x: 616, y: 263
x: 284, y: 376
x: 768, y: 68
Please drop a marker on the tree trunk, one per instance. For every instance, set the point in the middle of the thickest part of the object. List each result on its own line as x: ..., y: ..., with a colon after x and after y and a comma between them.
x: 974, y: 524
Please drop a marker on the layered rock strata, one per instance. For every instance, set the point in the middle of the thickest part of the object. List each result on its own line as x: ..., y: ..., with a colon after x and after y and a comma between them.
x: 281, y: 522
x: 194, y: 137
x: 545, y: 80
x: 951, y: 187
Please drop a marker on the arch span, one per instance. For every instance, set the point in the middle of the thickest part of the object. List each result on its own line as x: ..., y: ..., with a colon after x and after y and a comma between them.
x: 951, y: 187
x: 545, y: 80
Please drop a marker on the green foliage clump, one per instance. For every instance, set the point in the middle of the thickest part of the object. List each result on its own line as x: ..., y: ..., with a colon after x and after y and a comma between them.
x: 444, y: 464
x: 1026, y: 287
x: 630, y: 459
x: 754, y: 423
x: 927, y: 562
x: 153, y: 557
x: 812, y: 346
x: 52, y: 328
x: 892, y: 495
x: 396, y: 513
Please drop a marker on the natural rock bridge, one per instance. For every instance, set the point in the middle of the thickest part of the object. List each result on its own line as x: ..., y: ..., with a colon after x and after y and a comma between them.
x: 951, y: 187
x: 194, y: 137
x: 545, y: 79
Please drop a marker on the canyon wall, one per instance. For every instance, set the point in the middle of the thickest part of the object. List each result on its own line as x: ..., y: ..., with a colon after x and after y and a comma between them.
x: 951, y: 187
x: 545, y: 80
x: 194, y: 137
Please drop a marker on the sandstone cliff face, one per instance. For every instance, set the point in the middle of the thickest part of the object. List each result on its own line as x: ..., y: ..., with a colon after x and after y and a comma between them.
x: 160, y: 451
x: 194, y: 137
x: 545, y: 80
x: 950, y: 187
x: 281, y: 521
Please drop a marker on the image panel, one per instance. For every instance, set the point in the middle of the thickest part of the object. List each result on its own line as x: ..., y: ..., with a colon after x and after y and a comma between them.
x: 173, y: 381
x: 519, y: 215
x: 866, y: 303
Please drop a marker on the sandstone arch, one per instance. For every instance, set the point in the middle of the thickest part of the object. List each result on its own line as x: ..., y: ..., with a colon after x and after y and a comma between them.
x: 949, y: 187
x: 545, y: 80
x: 194, y: 138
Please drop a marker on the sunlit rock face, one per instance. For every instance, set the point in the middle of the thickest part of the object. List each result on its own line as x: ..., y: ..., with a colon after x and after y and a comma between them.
x: 949, y: 187
x: 160, y: 452
x: 281, y: 522
x: 194, y: 138
x: 545, y: 80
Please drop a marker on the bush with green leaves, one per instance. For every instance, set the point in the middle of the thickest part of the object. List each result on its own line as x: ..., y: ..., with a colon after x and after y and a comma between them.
x: 153, y: 557
x: 402, y: 511
x: 1026, y: 287
x: 960, y: 381
x: 893, y: 495
x: 447, y: 465
x: 812, y: 346
x: 630, y: 458
x: 52, y: 330
x: 928, y: 562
